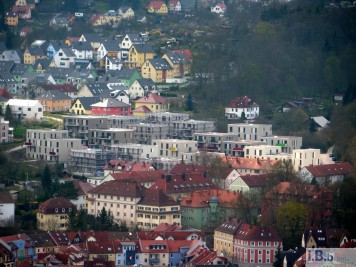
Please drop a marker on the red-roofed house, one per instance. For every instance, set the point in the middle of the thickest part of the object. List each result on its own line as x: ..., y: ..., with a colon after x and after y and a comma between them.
x: 256, y: 244
x: 53, y: 214
x: 141, y: 111
x: 326, y: 173
x: 67, y: 88
x: 101, y: 250
x: 205, y: 209
x: 249, y: 165
x: 4, y: 97
x: 240, y: 105
x: 207, y: 257
x: 249, y: 183
x: 24, y: 12
x: 118, y: 166
x: 219, y: 8
x: 158, y: 7
x: 111, y: 106
x: 174, y: 6
x: 153, y: 102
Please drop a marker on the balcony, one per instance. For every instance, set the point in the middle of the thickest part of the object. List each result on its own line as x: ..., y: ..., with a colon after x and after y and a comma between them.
x: 28, y: 144
x: 154, y: 260
x: 52, y: 153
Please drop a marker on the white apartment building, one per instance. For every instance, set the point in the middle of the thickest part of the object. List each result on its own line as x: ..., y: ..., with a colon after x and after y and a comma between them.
x: 6, y: 133
x: 107, y: 138
x: 26, y: 109
x: 305, y: 157
x: 262, y: 151
x: 236, y: 148
x: 185, y: 129
x: 287, y: 143
x: 7, y: 209
x: 248, y: 131
x: 175, y: 149
x: 135, y: 152
x: 213, y: 141
x: 50, y: 145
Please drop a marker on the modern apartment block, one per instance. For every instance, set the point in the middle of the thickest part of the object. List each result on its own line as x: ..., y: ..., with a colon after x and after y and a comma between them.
x: 287, y: 143
x: 50, y: 145
x: 6, y: 132
x: 145, y: 133
x: 122, y: 121
x: 175, y: 149
x: 305, y: 157
x: 213, y: 141
x: 88, y: 161
x: 262, y: 151
x: 135, y: 152
x: 236, y: 148
x: 106, y: 138
x: 247, y: 131
x: 166, y: 117
x: 186, y: 129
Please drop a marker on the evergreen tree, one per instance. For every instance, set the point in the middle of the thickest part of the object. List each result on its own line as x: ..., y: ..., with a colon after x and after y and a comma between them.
x: 189, y: 103
x: 243, y: 116
x: 46, y: 180
x: 278, y: 260
x: 8, y: 113
x: 72, y: 221
x: 1, y: 111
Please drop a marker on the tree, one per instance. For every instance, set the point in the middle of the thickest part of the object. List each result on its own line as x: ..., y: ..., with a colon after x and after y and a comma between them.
x: 281, y: 171
x: 190, y: 105
x: 278, y: 259
x: 67, y: 190
x: 247, y: 205
x: 72, y: 221
x: 291, y: 220
x: 243, y: 116
x: 8, y: 113
x: 46, y: 180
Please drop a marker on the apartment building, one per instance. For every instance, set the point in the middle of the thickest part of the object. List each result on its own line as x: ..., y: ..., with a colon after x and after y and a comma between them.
x: 262, y: 151
x: 236, y: 148
x: 287, y: 143
x: 166, y: 117
x: 106, y: 138
x: 175, y: 149
x: 87, y: 161
x: 186, y: 129
x: 26, y: 109
x: 122, y: 121
x: 135, y: 152
x: 247, y: 131
x: 145, y: 133
x: 213, y: 141
x: 6, y: 132
x: 305, y: 157
x: 50, y: 145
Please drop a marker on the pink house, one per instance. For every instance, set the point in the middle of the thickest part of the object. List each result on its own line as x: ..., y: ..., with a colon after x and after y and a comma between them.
x: 111, y: 106
x: 174, y: 6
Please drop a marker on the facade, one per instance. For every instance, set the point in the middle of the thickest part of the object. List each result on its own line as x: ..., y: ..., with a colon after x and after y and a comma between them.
x: 78, y: 126
x: 108, y: 138
x: 157, y: 69
x: 26, y: 109
x: 236, y: 148
x: 250, y: 165
x: 82, y: 105
x: 250, y: 131
x: 155, y: 208
x: 249, y: 183
x: 213, y: 141
x: 224, y: 236
x: 55, y: 101
x: 287, y: 143
x: 145, y: 133
x: 186, y: 128
x: 135, y: 152
x: 305, y: 157
x: 155, y: 103
x: 53, y: 214
x: 50, y: 145
x: 256, y: 244
x: 138, y: 54
x: 6, y: 132
x: 7, y: 209
x: 180, y: 62
x: 175, y: 149
x: 262, y: 151
x: 242, y: 106
x: 64, y: 58
x: 11, y: 18
x: 141, y: 87
x: 88, y: 161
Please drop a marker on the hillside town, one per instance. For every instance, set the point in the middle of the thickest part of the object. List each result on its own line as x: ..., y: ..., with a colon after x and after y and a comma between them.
x: 103, y: 161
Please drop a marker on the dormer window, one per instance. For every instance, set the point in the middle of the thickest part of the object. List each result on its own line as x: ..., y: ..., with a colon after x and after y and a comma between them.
x: 56, y: 210
x: 63, y: 210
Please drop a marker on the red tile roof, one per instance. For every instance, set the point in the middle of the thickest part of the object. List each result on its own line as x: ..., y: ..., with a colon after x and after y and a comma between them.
x: 5, y: 94
x: 202, y: 198
x: 161, y: 246
x: 257, y: 233
x: 128, y: 166
x: 152, y: 197
x: 152, y: 99
x: 249, y: 163
x: 188, y: 168
x: 58, y: 205
x: 126, y: 188
x: 140, y: 177
x: 183, y: 183
x: 103, y: 247
x: 259, y: 180
x: 143, y: 109
x: 5, y: 197
x: 341, y: 168
x: 242, y: 102
x: 155, y: 4
x: 165, y: 227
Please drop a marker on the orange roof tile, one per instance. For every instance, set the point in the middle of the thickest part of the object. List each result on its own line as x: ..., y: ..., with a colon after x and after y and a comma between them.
x: 202, y: 198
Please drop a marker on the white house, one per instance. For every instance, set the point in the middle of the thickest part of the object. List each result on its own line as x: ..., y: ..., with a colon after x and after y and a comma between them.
x: 240, y: 105
x: 7, y: 209
x: 64, y: 58
x: 83, y: 50
x: 26, y: 109
x: 219, y: 8
x: 113, y: 63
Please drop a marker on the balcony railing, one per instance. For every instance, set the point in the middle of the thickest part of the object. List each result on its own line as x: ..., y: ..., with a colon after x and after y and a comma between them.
x: 154, y: 260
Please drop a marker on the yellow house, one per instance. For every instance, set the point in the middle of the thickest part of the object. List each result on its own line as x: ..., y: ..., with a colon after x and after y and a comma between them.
x: 154, y: 102
x: 180, y: 63
x: 158, y: 69
x: 52, y: 215
x: 101, y: 250
x: 33, y: 53
x: 82, y: 105
x: 156, y: 207
x: 224, y: 236
x: 158, y: 7
x: 138, y: 55
x: 11, y: 18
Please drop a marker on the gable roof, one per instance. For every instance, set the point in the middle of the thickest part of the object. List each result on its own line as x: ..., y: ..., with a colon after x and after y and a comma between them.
x: 188, y: 168
x: 97, y: 88
x: 249, y: 163
x: 110, y: 103
x: 259, y: 180
x: 126, y: 188
x: 82, y: 46
x: 5, y: 95
x: 142, y: 109
x: 54, y: 95
x: 51, y: 204
x: 203, y: 197
x: 230, y: 226
x: 321, y: 121
x: 257, y: 233
x: 319, y: 236
x: 177, y: 58
x: 140, y: 177
x: 152, y: 99
x: 143, y: 48
x: 340, y: 168
x: 5, y: 197
x: 242, y: 102
x: 87, y: 101
x: 65, y: 87
x: 44, y: 62
x: 160, y: 64
x: 152, y: 197
x: 156, y: 4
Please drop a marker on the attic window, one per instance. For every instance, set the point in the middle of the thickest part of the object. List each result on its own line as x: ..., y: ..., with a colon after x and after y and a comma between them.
x: 56, y: 210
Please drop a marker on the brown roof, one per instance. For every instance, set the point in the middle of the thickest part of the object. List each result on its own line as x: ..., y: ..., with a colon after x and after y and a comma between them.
x: 65, y: 88
x: 5, y: 197
x: 249, y: 163
x: 152, y: 99
x: 156, y: 198
x: 202, y: 198
x: 128, y: 166
x: 341, y: 168
x: 143, y: 109
x: 259, y: 180
x: 242, y: 102
x: 5, y: 94
x: 231, y: 226
x: 56, y: 205
x: 257, y: 233
x: 126, y: 188
x: 103, y: 247
x: 140, y: 177
x: 188, y: 168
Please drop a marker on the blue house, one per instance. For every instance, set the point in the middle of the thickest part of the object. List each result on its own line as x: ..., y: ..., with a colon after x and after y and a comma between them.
x: 21, y: 246
x: 177, y: 251
x: 125, y: 252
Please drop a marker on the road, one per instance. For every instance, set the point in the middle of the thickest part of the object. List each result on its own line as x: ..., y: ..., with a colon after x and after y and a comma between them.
x: 15, y: 148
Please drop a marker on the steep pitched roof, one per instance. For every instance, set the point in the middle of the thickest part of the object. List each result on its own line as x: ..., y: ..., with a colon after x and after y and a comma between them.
x: 152, y: 197
x: 152, y: 99
x: 82, y: 46
x: 230, y: 226
x: 242, y: 102
x: 128, y: 188
x: 5, y: 197
x: 58, y: 203
x: 160, y: 64
x: 156, y: 4
x: 88, y: 101
x: 110, y: 103
x: 143, y: 48
x: 319, y: 236
x: 259, y: 180
x: 202, y: 198
x: 54, y: 95
x: 178, y: 58
x: 257, y: 233
x: 143, y: 109
x: 341, y: 168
